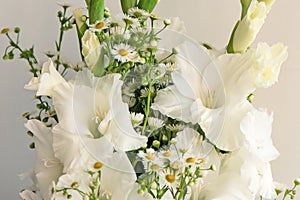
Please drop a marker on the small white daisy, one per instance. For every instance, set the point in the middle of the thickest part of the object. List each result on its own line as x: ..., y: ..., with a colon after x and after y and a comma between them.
x: 155, y: 123
x: 170, y: 66
x: 130, y: 21
x: 136, y: 118
x: 138, y: 13
x: 99, y: 26
x: 175, y: 127
x: 123, y: 53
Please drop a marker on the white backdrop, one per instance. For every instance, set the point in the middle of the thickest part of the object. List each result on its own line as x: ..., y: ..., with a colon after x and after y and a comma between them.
x: 208, y: 21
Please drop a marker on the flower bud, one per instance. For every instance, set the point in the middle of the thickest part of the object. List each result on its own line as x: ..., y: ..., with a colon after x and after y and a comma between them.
x: 156, y: 143
x: 17, y: 30
x: 147, y: 5
x: 96, y: 10
x: 297, y: 181
x: 167, y: 22
x: 127, y: 4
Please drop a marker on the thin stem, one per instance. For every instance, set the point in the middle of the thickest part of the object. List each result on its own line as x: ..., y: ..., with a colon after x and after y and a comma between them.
x: 16, y: 46
x: 147, y: 108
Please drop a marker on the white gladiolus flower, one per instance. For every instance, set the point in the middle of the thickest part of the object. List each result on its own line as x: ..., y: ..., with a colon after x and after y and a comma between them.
x: 268, y: 61
x: 226, y: 186
x: 91, y: 113
x: 249, y: 26
x: 93, y: 109
x: 254, y: 173
x: 47, y: 168
x: 48, y: 79
x: 214, y: 95
x: 257, y: 127
x: 90, y: 48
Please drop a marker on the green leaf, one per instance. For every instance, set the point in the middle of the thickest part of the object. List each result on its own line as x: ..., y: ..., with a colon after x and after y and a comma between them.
x: 147, y: 5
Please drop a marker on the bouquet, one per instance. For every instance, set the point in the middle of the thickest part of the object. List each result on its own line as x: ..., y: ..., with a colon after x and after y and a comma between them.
x: 150, y: 113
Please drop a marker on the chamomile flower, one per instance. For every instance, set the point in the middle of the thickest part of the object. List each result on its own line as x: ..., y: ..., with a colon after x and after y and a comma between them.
x: 155, y: 123
x: 175, y: 127
x: 170, y: 66
x: 130, y: 21
x: 136, y: 118
x: 138, y: 13
x: 99, y: 25
x: 123, y: 53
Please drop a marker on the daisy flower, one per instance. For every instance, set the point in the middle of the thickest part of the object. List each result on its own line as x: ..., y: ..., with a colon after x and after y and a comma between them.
x: 99, y: 26
x: 155, y: 123
x: 123, y: 53
x: 136, y: 118
x: 132, y: 22
x: 138, y: 13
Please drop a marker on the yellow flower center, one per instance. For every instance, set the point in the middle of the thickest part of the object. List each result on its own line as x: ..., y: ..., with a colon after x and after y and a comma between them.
x: 5, y: 30
x: 170, y: 178
x: 99, y: 25
x: 74, y: 184
x: 154, y: 16
x: 150, y: 157
x: 98, y: 165
x: 155, y: 167
x: 123, y: 52
x: 167, y: 154
x: 190, y: 160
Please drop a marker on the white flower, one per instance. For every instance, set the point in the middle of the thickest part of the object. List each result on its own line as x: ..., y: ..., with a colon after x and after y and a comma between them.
x: 138, y: 13
x: 254, y: 173
x: 115, y: 183
x: 257, y: 127
x: 78, y: 180
x: 130, y: 21
x: 47, y: 167
x: 91, y: 48
x: 213, y: 94
x: 268, y: 61
x: 124, y: 53
x: 99, y: 25
x: 227, y: 186
x: 175, y: 127
x: 136, y: 118
x: 155, y: 123
x: 48, y: 79
x: 250, y: 25
x: 93, y: 107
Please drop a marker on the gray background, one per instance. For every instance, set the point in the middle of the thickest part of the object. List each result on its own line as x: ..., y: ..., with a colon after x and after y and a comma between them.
x: 206, y: 20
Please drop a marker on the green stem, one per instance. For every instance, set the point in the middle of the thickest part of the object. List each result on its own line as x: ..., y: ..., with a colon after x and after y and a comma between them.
x: 16, y: 45
x: 147, y: 108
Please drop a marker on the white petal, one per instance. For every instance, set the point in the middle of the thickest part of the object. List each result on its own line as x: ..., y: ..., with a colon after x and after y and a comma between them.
x: 227, y: 186
x: 49, y: 78
x: 257, y: 127
x: 29, y: 195
x: 48, y: 168
x: 172, y: 103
